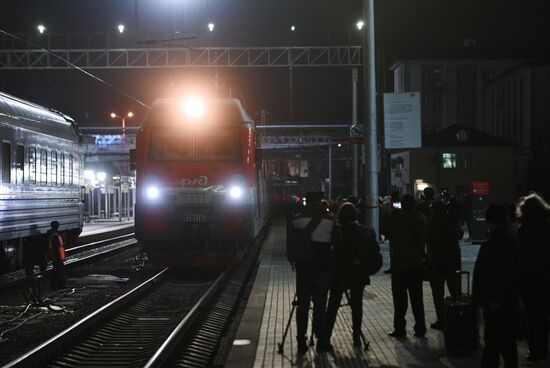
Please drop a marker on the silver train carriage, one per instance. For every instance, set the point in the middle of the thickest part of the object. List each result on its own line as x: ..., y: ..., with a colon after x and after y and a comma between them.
x: 41, y: 173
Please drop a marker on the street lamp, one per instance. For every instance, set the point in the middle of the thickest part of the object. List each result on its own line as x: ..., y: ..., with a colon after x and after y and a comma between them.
x: 129, y: 114
x: 211, y: 26
x: 121, y: 28
x: 41, y: 28
x: 360, y: 24
x: 293, y: 28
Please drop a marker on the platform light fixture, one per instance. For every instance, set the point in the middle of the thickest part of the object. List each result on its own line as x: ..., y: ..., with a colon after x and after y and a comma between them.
x: 292, y: 28
x: 101, y: 176
x: 120, y: 28
x: 360, y: 24
x: 129, y: 114
x: 211, y: 26
x: 41, y: 28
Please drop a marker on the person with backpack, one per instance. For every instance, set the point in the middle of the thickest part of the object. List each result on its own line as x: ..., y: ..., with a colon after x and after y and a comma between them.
x: 56, y: 254
x: 356, y: 258
x: 309, y: 250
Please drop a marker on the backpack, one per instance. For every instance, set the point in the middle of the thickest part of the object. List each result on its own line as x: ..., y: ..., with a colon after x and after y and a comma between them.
x: 368, y: 251
x: 299, y: 246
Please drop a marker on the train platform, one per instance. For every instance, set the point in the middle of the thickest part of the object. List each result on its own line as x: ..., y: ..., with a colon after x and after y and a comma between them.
x: 105, y: 226
x: 269, y: 305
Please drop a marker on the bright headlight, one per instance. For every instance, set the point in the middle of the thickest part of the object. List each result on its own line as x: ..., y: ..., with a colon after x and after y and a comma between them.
x: 193, y: 107
x: 152, y: 192
x: 236, y: 192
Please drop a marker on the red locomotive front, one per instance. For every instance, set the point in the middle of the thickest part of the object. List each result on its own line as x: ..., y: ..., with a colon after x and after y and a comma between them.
x: 200, y: 195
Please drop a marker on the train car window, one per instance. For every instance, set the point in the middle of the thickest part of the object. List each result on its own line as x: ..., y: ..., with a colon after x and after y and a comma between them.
x: 43, y: 167
x: 167, y: 145
x: 20, y: 164
x: 6, y: 162
x: 71, y: 170
x: 223, y: 144
x: 62, y: 168
x: 32, y: 165
x: 54, y: 180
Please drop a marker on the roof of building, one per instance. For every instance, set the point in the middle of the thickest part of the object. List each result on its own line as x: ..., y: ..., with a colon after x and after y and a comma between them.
x: 463, y: 136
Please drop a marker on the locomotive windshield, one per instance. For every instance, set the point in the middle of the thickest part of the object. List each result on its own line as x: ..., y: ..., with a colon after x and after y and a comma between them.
x: 167, y: 145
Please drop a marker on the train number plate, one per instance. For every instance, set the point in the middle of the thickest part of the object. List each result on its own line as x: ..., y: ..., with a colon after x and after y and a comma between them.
x: 193, y: 217
x: 193, y: 198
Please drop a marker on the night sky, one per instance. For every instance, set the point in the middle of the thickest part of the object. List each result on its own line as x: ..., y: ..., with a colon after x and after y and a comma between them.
x: 405, y: 29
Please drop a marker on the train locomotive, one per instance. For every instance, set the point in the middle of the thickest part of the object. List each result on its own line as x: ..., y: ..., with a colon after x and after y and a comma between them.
x: 201, y: 192
x: 42, y: 159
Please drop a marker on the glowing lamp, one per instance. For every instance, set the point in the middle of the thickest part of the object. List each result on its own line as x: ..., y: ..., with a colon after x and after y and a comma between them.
x: 236, y: 192
x: 130, y: 114
x: 360, y: 24
x: 211, y: 26
x: 193, y: 107
x: 152, y: 192
x: 41, y: 28
x: 113, y: 115
x: 121, y: 28
x: 101, y: 176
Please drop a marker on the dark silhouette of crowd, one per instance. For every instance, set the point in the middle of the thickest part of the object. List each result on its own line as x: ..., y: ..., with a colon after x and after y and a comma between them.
x: 511, y: 274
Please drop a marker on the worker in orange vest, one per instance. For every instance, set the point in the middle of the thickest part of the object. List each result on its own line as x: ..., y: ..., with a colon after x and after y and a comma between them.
x: 56, y: 253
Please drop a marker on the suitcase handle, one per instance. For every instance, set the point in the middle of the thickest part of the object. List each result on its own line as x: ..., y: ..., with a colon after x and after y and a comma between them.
x: 459, y: 282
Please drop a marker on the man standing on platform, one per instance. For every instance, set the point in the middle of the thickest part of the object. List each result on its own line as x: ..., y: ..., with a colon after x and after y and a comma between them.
x: 309, y: 249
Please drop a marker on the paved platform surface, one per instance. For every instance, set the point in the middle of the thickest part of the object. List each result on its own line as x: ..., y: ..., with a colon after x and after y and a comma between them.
x: 269, y: 306
x: 104, y: 226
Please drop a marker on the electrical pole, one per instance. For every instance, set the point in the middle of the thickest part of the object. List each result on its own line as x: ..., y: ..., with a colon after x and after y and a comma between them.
x: 355, y: 147
x: 370, y: 132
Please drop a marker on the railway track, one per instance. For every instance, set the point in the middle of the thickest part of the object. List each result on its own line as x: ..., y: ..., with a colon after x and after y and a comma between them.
x: 145, y: 326
x: 75, y: 256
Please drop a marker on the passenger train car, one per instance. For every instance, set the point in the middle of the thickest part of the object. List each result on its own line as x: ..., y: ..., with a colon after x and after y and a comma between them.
x: 41, y: 167
x: 201, y: 192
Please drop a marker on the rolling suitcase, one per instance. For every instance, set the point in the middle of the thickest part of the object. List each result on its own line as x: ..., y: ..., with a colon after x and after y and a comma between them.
x: 461, y: 329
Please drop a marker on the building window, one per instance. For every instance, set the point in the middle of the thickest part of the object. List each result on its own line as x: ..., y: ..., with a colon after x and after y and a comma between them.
x: 43, y: 167
x: 448, y: 160
x: 6, y: 162
x: 32, y: 165
x: 467, y: 160
x: 20, y: 164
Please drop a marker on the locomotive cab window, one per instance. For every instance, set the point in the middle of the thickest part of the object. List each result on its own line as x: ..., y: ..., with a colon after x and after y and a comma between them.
x: 6, y: 162
x: 20, y: 164
x: 220, y: 145
x: 167, y: 145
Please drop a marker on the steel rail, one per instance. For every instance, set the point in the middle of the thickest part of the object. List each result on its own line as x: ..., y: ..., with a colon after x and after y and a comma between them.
x: 166, y: 349
x: 45, y: 351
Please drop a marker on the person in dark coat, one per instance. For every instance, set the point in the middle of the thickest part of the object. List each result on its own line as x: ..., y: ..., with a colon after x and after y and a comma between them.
x: 385, y: 221
x: 534, y: 237
x: 496, y: 289
x: 444, y: 251
x: 349, y: 256
x: 407, y: 234
x: 313, y: 274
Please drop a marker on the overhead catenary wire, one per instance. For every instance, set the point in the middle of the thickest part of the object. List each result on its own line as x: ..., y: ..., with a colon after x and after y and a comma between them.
x: 124, y: 93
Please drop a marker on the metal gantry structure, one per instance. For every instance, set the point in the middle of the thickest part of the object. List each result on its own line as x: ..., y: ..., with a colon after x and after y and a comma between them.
x: 106, y: 51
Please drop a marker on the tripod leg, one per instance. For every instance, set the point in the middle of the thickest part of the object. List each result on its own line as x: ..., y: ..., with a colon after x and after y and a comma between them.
x: 366, y: 344
x: 281, y: 344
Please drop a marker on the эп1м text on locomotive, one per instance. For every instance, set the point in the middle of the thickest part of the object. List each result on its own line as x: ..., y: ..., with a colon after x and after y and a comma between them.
x: 201, y: 194
x: 41, y: 159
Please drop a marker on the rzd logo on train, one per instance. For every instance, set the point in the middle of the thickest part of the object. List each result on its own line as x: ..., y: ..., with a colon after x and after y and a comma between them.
x: 201, y: 181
